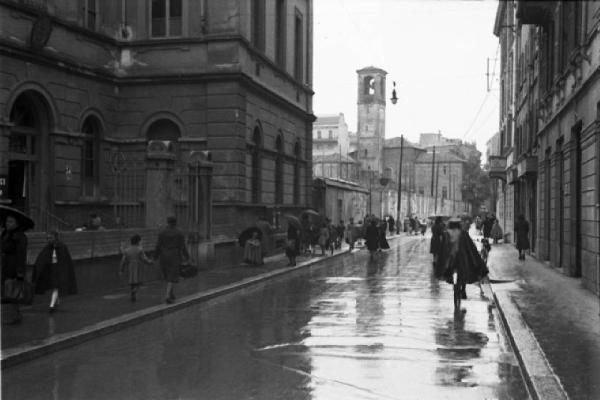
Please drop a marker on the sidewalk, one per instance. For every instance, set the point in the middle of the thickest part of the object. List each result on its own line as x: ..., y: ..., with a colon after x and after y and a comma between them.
x: 547, y: 310
x: 82, y: 317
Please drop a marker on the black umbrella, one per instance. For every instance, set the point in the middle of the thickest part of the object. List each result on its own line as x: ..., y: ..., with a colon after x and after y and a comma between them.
x: 311, y: 212
x: 247, y: 234
x: 23, y: 219
x: 295, y: 222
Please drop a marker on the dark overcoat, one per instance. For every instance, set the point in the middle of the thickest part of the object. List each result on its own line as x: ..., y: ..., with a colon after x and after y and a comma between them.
x: 171, y: 252
x: 13, y: 253
x: 522, y: 233
x: 383, y: 243
x: 459, y: 253
x: 372, y: 238
x: 61, y: 275
x: 437, y: 232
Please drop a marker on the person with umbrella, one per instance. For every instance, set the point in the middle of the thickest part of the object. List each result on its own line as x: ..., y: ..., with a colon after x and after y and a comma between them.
x: 13, y: 256
x: 437, y: 233
x: 55, y: 270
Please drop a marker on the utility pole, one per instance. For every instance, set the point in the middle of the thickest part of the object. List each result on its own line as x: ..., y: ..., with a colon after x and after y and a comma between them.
x: 432, y: 172
x: 400, y: 219
x: 437, y: 179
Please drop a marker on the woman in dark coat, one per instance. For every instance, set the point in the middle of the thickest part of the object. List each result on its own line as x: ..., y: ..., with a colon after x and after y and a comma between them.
x: 13, y: 258
x: 383, y: 243
x: 437, y: 232
x: 55, y: 271
x: 171, y: 252
x: 522, y: 234
x: 458, y: 253
x: 372, y: 237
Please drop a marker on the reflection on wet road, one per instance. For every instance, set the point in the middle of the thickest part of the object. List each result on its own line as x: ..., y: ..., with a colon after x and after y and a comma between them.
x: 355, y: 329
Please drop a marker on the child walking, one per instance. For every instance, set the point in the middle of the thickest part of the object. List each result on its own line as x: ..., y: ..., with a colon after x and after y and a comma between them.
x: 134, y: 257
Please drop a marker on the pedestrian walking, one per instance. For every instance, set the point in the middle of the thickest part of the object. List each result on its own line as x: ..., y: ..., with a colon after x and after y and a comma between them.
x: 391, y: 224
x: 171, y: 252
x: 323, y: 238
x: 496, y: 232
x: 55, y: 270
x: 292, y: 247
x: 459, y: 255
x: 134, y: 259
x: 340, y: 235
x: 488, y: 223
x: 13, y: 255
x: 372, y: 237
x: 383, y: 243
x: 350, y: 237
x: 522, y: 234
x: 437, y: 232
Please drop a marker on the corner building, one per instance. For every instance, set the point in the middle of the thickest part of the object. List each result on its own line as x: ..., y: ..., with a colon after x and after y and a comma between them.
x: 101, y: 100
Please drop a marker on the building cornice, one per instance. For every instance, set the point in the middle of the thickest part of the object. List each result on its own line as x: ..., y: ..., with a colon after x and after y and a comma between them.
x: 105, y: 40
x: 57, y: 62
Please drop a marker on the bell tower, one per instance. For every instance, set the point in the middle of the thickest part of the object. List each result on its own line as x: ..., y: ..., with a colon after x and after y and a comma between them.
x: 371, y: 118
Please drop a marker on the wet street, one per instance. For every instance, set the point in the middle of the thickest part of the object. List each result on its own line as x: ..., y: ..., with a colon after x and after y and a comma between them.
x: 350, y: 329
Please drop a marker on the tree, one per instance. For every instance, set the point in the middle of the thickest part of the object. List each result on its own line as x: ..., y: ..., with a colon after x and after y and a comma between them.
x: 476, y: 181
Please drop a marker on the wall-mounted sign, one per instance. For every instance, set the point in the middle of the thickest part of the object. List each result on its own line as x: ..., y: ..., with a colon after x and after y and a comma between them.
x: 3, y: 187
x: 40, y: 32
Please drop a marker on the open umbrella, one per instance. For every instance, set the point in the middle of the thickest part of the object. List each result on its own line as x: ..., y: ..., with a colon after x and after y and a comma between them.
x: 311, y: 212
x: 292, y: 220
x: 23, y: 219
x: 247, y: 234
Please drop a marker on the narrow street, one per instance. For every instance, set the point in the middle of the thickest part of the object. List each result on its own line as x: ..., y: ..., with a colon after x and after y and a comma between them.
x: 351, y: 329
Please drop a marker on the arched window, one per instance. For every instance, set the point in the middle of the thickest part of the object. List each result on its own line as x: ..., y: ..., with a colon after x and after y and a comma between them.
x: 255, y: 167
x: 298, y: 155
x: 369, y: 85
x: 279, y: 170
x: 90, y: 156
x: 163, y: 129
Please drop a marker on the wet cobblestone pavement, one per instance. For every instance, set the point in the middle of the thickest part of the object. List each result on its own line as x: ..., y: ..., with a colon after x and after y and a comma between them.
x: 349, y: 329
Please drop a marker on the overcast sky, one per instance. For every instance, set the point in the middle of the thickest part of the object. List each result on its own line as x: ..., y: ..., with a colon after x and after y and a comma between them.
x: 436, y: 51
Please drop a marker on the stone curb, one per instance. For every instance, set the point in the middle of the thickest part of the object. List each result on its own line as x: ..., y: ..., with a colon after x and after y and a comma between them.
x: 542, y: 383
x: 32, y: 350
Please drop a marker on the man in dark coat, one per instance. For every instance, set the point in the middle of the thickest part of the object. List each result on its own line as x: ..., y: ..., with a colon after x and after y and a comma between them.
x: 372, y: 237
x: 391, y: 224
x: 13, y: 258
x: 458, y: 253
x: 383, y: 243
x: 437, y: 232
x: 171, y: 252
x: 54, y: 268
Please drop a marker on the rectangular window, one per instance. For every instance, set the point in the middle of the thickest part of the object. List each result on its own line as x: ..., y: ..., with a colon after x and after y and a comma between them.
x: 298, y: 47
x: 280, y: 33
x: 88, y: 166
x: 166, y: 18
x: 90, y: 14
x: 258, y: 24
x: 444, y: 192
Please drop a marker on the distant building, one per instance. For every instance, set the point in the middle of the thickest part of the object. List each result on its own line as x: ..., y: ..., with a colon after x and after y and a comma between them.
x: 330, y: 135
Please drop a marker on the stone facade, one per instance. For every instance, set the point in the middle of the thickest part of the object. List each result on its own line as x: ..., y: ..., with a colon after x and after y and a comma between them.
x: 552, y: 150
x: 96, y: 86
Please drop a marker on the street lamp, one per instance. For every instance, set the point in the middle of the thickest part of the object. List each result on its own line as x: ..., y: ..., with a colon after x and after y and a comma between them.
x: 394, y: 98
